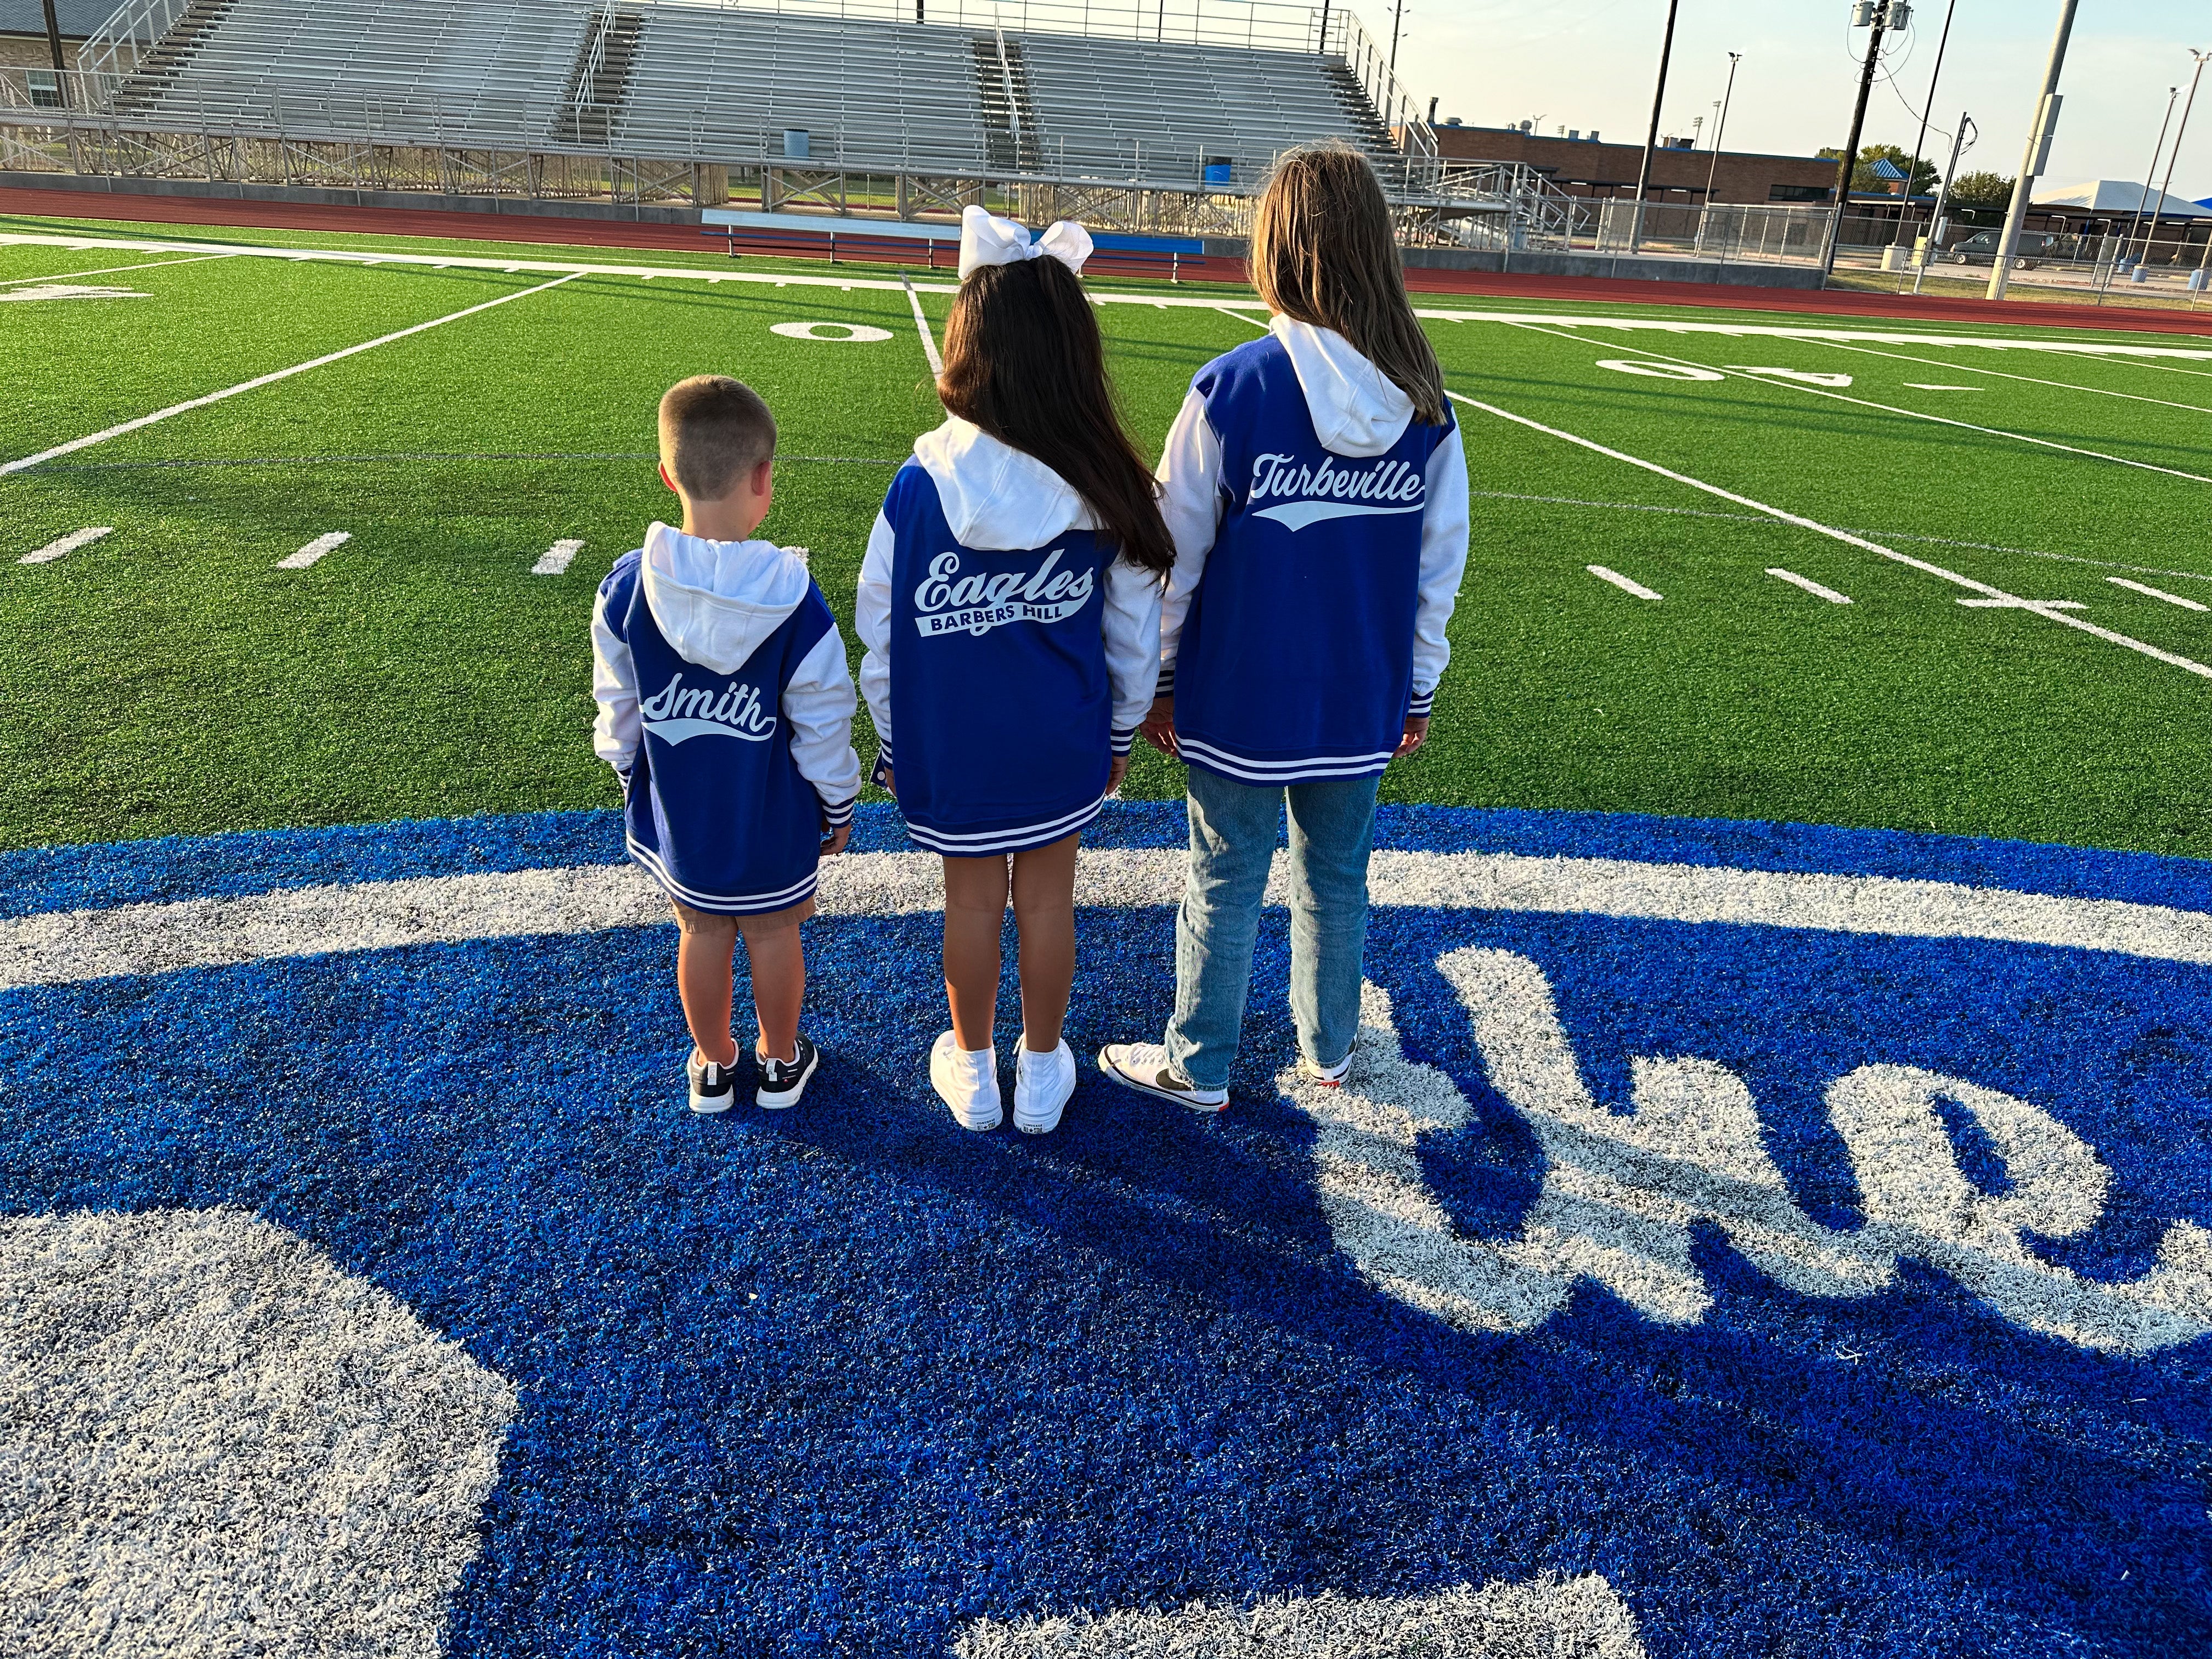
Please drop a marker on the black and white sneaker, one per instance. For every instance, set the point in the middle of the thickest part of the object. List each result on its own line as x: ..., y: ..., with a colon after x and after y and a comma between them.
x: 1145, y: 1067
x: 782, y: 1081
x: 713, y: 1087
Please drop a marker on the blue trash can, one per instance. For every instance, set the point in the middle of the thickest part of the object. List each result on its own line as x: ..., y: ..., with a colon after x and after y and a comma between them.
x: 1218, y: 169
x: 794, y: 144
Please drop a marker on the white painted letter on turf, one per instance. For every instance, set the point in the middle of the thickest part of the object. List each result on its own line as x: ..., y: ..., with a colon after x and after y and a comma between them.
x: 1623, y: 1191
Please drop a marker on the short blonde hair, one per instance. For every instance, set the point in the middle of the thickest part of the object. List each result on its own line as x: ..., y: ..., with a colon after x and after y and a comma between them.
x: 714, y: 431
x: 1323, y: 253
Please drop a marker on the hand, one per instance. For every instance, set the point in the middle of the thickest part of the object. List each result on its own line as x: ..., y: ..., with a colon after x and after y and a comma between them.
x: 1116, y: 772
x: 1416, y: 733
x: 838, y: 837
x: 1159, y: 727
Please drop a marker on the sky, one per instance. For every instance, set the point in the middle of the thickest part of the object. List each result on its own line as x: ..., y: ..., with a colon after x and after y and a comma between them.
x: 1587, y: 63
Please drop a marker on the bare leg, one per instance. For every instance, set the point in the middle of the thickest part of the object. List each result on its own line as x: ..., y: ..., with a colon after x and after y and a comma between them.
x: 975, y: 911
x: 704, y: 947
x: 778, y: 971
x: 1044, y: 917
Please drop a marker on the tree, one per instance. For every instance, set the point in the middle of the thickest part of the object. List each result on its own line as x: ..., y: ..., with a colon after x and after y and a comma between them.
x: 1925, y: 176
x: 1982, y: 190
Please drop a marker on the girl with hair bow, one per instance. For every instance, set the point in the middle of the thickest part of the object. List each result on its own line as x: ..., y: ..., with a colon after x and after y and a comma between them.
x: 1009, y: 606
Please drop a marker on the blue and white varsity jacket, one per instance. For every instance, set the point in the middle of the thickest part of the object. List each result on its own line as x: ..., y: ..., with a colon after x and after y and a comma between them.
x: 1010, y: 653
x: 726, y: 709
x: 1321, y: 534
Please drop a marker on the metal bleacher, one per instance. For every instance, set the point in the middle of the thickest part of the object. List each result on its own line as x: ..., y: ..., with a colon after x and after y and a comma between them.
x: 1039, y: 88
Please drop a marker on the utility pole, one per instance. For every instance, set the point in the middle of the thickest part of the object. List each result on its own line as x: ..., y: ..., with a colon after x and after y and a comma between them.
x: 1877, y: 16
x: 2143, y: 201
x: 2036, y: 157
x: 1959, y: 142
x: 1720, y: 128
x: 1912, y: 172
x: 2180, y: 133
x: 1397, y: 17
x: 1651, y: 139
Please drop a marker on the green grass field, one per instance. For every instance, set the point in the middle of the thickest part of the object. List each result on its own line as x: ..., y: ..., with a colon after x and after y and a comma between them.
x: 170, y: 678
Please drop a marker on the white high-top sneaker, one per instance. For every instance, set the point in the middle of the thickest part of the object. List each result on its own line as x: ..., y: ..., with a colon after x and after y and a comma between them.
x: 967, y: 1081
x: 1042, y: 1084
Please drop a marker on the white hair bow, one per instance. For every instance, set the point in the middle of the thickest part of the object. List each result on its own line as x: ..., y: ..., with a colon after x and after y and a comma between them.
x: 988, y: 240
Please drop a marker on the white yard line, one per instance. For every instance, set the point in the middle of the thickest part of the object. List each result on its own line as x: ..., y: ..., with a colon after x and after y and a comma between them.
x: 2157, y: 594
x: 314, y: 549
x: 921, y: 327
x: 2027, y: 380
x: 85, y: 442
x: 1791, y: 384
x: 357, y: 256
x: 556, y: 558
x: 1810, y: 585
x: 1845, y: 536
x: 1626, y: 584
x: 70, y: 946
x: 68, y: 543
x: 2023, y: 605
x: 1929, y: 386
x: 109, y: 271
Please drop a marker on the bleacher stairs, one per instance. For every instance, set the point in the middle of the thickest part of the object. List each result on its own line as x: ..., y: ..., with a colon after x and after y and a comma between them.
x: 599, y: 85
x: 159, y: 70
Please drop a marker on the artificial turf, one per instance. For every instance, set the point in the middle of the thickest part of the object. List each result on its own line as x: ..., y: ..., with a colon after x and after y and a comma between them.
x: 167, y: 678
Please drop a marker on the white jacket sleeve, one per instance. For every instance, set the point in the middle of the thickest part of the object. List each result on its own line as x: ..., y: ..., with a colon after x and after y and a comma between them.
x: 818, y: 702
x: 872, y: 620
x: 1443, y: 563
x: 614, y: 687
x: 1190, y: 501
x: 1132, y: 646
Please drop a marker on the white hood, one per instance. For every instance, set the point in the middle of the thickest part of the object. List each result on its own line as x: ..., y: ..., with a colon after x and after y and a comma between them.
x: 996, y: 497
x: 714, y: 602
x: 1356, y: 409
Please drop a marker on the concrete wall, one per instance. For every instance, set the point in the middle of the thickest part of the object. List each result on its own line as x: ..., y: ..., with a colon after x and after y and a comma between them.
x: 1647, y: 268
x: 1582, y: 169
x: 413, y: 200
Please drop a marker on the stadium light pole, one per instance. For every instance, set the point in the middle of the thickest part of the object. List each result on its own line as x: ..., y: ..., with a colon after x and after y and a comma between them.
x: 2036, y: 156
x: 2181, y: 132
x: 54, y: 45
x: 1720, y: 127
x: 1878, y: 24
x: 1651, y: 139
x: 2143, y: 201
x: 1397, y: 17
x: 1927, y: 110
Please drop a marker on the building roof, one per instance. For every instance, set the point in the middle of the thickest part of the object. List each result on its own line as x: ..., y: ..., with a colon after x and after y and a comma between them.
x: 2101, y: 196
x: 78, y: 18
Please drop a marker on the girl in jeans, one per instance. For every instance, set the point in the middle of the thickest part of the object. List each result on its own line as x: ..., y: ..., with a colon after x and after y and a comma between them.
x: 1316, y: 489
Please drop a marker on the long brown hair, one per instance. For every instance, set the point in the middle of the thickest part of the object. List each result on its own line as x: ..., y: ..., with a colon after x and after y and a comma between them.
x: 1322, y: 253
x: 1023, y: 361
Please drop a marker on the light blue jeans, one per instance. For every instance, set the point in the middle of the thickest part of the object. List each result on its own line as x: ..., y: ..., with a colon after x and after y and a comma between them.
x: 1232, y: 840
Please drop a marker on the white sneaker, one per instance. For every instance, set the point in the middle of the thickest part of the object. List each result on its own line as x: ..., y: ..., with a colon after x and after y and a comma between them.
x: 1329, y: 1077
x: 967, y: 1082
x: 1144, y: 1067
x: 1042, y: 1084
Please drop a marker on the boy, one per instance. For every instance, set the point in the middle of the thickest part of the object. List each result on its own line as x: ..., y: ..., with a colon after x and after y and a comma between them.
x: 725, y: 708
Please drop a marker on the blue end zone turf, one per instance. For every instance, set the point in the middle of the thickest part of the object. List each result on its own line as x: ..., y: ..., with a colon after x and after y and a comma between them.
x: 845, y: 1379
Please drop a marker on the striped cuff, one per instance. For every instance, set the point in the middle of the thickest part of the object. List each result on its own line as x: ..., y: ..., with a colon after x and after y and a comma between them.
x: 1165, y: 685
x: 1122, y: 740
x: 883, y: 763
x: 1422, y: 702
x: 835, y: 813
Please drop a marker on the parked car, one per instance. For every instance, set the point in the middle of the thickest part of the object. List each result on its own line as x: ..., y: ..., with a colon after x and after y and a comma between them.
x: 1981, y: 249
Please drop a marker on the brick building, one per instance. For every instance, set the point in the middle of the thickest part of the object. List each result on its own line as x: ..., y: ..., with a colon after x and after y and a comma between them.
x: 24, y: 30
x: 1584, y: 166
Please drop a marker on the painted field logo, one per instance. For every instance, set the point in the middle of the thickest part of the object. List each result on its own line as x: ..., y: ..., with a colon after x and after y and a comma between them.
x: 949, y: 603
x: 1331, y: 491
x: 678, y: 713
x: 1622, y: 1190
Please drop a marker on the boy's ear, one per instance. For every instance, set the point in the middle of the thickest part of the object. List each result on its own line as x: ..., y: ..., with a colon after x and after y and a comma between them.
x: 763, y: 476
x: 665, y: 479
